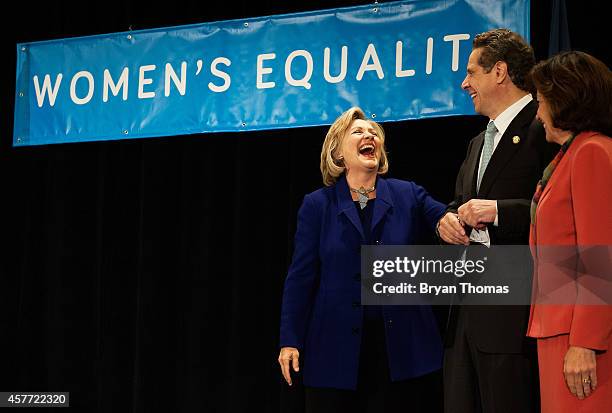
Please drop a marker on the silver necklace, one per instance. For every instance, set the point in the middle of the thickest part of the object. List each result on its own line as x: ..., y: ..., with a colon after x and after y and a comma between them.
x: 362, y: 195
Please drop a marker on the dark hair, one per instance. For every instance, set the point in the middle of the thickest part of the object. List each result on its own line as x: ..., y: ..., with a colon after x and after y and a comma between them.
x: 578, y: 90
x: 506, y: 46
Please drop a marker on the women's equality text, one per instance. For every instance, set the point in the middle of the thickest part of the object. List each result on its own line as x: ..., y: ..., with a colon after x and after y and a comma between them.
x: 84, y: 86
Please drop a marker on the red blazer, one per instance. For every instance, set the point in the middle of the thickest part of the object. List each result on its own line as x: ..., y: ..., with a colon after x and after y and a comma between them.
x: 575, y: 209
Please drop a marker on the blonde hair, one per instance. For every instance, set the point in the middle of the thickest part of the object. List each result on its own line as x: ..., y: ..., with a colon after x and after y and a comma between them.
x: 331, y: 166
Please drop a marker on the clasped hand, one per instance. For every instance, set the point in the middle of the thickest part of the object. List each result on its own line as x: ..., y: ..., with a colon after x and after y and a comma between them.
x: 476, y: 213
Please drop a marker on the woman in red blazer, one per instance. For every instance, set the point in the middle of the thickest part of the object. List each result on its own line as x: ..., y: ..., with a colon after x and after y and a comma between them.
x: 571, y: 236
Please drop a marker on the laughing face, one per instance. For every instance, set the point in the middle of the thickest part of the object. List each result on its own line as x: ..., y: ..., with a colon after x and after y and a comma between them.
x: 480, y: 85
x: 361, y: 147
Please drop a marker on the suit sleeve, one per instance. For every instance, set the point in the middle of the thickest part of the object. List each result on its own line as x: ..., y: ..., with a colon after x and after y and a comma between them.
x: 592, y: 202
x: 302, y: 276
x: 514, y: 219
x: 458, y: 200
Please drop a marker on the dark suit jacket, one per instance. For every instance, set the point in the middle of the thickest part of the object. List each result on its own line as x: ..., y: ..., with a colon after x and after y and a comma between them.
x: 510, y: 178
x: 321, y: 315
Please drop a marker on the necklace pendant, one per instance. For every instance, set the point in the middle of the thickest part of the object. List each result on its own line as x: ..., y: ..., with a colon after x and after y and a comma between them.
x: 363, y: 200
x: 362, y: 195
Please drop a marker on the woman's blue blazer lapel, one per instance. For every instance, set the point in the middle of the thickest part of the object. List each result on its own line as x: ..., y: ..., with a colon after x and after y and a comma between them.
x: 384, y: 202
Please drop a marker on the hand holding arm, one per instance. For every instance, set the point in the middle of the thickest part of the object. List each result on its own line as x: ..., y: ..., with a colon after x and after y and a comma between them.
x: 478, y: 212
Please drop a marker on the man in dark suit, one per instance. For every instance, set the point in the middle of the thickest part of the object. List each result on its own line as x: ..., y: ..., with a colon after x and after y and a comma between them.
x: 490, y: 365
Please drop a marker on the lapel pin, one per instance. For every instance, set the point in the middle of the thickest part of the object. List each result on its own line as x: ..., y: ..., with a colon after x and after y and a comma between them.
x: 516, y: 139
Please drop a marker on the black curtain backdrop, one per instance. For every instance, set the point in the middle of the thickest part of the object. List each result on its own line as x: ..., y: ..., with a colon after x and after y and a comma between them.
x: 146, y: 275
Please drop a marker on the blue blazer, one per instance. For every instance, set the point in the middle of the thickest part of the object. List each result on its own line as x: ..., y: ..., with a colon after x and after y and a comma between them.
x: 318, y: 315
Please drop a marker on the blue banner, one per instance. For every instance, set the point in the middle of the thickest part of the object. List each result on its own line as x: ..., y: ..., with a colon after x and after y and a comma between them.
x: 399, y: 60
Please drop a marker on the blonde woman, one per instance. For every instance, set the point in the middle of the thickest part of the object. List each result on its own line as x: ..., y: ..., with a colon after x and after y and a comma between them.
x: 355, y: 358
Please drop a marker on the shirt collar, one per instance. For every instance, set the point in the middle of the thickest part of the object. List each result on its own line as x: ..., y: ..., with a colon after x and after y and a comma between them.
x: 507, y: 116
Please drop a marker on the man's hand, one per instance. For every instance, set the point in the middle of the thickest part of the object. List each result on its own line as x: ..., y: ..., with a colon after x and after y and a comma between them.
x: 477, y: 213
x: 451, y: 230
x: 579, y: 369
x: 289, y: 357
